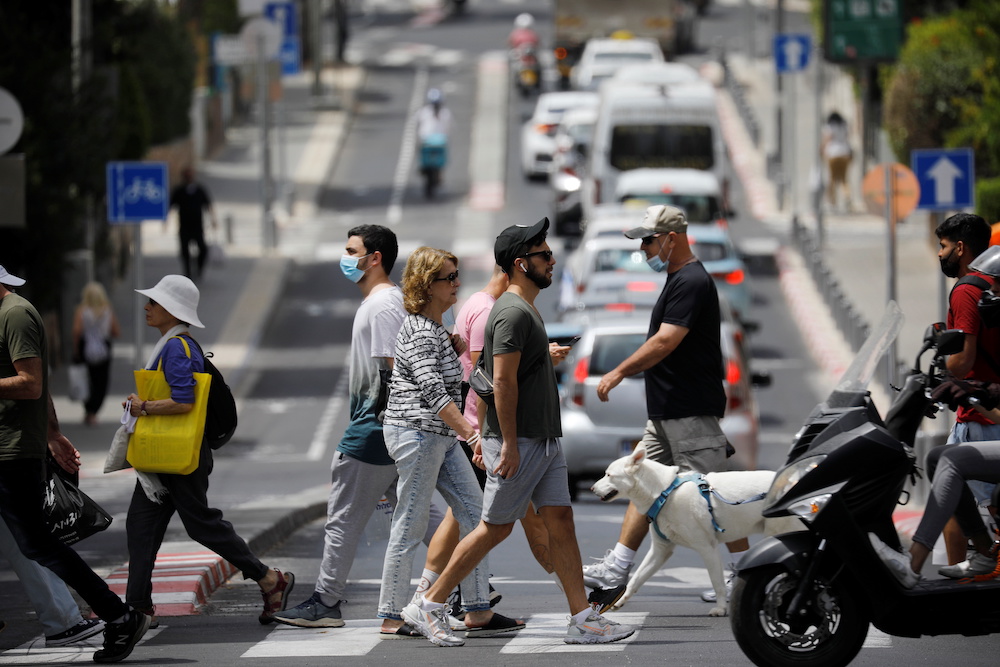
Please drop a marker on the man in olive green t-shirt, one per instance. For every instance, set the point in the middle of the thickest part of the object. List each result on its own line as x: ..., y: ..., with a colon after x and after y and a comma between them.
x: 28, y: 426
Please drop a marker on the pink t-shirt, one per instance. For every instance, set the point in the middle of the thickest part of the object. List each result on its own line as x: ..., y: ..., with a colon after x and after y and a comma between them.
x: 471, y: 326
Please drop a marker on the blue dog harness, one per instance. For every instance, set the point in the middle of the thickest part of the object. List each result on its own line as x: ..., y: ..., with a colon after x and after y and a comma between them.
x: 706, y: 492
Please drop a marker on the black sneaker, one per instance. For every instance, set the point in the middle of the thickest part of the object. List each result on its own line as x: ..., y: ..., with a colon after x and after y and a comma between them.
x: 82, y: 630
x: 455, y: 601
x: 121, y: 638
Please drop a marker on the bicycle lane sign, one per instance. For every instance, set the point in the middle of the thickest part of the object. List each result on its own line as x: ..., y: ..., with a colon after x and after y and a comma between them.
x: 137, y: 191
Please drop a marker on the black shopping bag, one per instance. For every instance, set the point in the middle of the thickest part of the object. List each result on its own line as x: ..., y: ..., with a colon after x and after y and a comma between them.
x: 71, y: 514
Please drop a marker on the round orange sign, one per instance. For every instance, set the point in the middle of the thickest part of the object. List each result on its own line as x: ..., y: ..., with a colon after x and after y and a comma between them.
x: 905, y: 190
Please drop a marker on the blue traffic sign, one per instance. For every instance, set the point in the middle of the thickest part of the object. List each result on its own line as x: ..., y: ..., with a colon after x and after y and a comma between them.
x: 285, y: 15
x: 791, y: 52
x: 137, y: 191
x: 947, y: 178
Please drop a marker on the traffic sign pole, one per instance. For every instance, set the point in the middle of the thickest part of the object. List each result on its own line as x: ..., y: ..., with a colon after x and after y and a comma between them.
x: 138, y: 308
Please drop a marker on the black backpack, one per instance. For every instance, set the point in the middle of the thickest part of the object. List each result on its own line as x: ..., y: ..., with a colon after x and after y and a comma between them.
x: 220, y: 423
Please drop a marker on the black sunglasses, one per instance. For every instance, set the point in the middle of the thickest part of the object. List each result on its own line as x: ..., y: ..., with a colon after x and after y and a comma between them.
x: 544, y: 254
x: 451, y: 277
x: 646, y: 240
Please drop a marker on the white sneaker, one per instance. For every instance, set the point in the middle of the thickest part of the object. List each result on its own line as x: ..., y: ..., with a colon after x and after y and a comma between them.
x: 898, y: 563
x: 432, y: 624
x: 596, y: 630
x: 730, y: 577
x: 606, y: 573
x: 977, y: 564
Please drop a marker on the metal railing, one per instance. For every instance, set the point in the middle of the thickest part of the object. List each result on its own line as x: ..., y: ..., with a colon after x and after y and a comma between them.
x: 737, y: 92
x: 850, y: 323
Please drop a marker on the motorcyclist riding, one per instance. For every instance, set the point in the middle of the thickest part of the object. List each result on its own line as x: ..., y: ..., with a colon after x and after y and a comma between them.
x: 433, y: 125
x: 523, y: 35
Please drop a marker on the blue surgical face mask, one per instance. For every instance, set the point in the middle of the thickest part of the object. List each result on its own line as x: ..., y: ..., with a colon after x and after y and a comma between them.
x: 349, y: 267
x: 656, y: 263
x: 448, y: 319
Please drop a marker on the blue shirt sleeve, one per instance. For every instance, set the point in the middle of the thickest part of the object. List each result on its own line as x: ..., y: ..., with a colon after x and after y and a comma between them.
x: 179, y: 369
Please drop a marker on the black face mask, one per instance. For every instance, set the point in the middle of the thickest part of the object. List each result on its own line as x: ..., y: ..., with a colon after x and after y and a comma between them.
x: 989, y: 309
x: 948, y: 267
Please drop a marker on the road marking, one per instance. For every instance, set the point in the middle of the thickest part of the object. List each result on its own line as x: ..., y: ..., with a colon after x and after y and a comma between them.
x: 357, y: 638
x: 545, y: 632
x: 317, y: 449
x: 877, y: 639
x: 402, y: 176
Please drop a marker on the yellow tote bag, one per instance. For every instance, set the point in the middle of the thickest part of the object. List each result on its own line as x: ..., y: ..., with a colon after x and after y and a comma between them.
x: 168, y: 443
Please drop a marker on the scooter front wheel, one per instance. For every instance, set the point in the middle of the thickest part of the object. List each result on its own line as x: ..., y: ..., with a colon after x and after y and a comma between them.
x: 829, y: 633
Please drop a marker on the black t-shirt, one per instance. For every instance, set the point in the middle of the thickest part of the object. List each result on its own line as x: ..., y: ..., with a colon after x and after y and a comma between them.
x: 688, y: 383
x: 190, y: 200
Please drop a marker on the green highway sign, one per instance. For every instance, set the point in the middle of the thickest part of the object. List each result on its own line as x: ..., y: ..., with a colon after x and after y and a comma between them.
x: 862, y: 30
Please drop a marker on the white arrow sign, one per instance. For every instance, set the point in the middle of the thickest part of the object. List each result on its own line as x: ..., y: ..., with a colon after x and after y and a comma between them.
x: 944, y: 173
x: 793, y: 54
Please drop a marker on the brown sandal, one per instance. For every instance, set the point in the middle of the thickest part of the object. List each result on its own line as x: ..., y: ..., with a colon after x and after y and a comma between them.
x: 286, y: 581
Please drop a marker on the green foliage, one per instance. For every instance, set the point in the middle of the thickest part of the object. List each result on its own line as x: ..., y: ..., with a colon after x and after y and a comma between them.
x: 988, y: 199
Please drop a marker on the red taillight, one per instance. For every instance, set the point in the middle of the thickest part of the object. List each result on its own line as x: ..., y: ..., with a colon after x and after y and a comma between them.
x: 580, y: 375
x: 732, y: 278
x: 666, y: 189
x: 734, y: 393
x: 546, y: 128
x: 732, y: 372
x: 620, y: 307
x: 561, y: 53
x: 641, y: 286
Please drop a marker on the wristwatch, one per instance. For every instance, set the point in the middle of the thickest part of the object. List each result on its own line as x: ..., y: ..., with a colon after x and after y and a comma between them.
x: 142, y: 409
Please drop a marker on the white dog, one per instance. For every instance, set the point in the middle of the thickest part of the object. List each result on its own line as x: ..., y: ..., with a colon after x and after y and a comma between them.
x: 685, y: 518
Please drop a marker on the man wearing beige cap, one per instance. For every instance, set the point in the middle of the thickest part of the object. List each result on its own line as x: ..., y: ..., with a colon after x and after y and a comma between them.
x: 28, y: 429
x: 682, y: 361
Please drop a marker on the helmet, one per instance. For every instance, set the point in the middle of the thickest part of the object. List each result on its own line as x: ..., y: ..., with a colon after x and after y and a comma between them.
x: 988, y: 262
x: 524, y: 21
x: 435, y: 96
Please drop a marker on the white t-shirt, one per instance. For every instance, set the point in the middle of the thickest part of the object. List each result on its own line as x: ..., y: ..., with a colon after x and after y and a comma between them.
x: 428, y: 123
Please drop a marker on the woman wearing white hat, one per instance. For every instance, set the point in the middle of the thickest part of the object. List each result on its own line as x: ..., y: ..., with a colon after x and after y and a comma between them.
x: 172, y: 308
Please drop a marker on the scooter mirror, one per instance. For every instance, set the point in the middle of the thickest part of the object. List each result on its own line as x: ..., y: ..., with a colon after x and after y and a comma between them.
x: 932, y: 332
x: 950, y: 342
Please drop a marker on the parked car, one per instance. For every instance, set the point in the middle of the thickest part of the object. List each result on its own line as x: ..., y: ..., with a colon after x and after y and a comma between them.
x: 572, y: 143
x: 538, y: 133
x: 698, y: 193
x: 601, y: 58
x: 595, y: 433
x: 613, y: 253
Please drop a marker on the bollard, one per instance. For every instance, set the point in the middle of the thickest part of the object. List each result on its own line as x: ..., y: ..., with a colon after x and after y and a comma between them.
x: 228, y: 221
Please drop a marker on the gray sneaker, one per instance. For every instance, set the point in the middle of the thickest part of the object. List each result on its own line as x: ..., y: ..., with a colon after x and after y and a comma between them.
x: 432, y: 624
x: 311, y: 614
x: 896, y: 562
x: 596, y: 630
x: 976, y: 565
x: 730, y: 577
x: 605, y: 573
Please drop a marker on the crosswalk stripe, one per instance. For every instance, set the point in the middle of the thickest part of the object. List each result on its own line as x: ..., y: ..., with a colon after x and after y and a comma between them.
x: 356, y: 638
x: 545, y: 632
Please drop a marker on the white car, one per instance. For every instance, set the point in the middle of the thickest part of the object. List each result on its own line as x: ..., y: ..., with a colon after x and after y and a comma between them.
x: 538, y: 134
x: 601, y: 58
x: 696, y: 192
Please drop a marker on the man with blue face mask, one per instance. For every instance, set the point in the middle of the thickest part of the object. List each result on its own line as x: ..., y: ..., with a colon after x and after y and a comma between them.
x: 682, y: 361
x: 362, y: 471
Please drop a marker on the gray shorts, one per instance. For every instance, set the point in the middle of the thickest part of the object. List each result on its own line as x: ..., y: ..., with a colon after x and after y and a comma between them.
x: 690, y: 443
x: 542, y: 478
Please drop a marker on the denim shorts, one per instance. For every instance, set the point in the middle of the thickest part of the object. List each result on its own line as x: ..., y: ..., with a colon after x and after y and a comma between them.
x: 542, y: 478
x: 690, y: 443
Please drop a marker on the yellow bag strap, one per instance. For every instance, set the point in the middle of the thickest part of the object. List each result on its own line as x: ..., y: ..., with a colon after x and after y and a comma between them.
x: 187, y: 350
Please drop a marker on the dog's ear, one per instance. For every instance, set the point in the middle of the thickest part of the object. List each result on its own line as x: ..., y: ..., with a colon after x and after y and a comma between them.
x: 638, y: 455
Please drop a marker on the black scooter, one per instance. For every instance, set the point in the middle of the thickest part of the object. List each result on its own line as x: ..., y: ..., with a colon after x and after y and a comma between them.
x: 807, y: 598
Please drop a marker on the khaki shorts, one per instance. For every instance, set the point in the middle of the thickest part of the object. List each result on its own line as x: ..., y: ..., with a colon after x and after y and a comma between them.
x: 690, y: 443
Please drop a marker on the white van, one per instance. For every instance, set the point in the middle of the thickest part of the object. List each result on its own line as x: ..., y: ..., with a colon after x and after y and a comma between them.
x: 653, y: 127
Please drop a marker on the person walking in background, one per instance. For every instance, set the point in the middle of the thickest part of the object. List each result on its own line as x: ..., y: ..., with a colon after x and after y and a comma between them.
x: 191, y: 200
x: 29, y: 427
x: 94, y: 326
x: 520, y: 448
x: 171, y: 309
x: 835, y: 147
x: 682, y: 365
x: 362, y: 472
x: 421, y: 421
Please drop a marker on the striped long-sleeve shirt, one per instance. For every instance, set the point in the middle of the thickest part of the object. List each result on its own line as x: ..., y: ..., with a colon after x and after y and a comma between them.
x: 427, y: 376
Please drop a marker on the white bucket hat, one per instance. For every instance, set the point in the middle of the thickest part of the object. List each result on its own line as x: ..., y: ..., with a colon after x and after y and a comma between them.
x: 9, y: 279
x: 178, y: 296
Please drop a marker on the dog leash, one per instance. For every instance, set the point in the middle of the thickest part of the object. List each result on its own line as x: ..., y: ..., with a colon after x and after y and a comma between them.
x: 706, y: 492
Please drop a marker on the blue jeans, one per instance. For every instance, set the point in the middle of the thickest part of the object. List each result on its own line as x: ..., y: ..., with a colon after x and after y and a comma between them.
x: 426, y: 461
x: 53, y: 603
x: 963, y: 432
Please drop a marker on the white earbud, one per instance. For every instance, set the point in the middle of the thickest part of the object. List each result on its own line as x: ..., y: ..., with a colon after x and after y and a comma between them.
x: 525, y: 270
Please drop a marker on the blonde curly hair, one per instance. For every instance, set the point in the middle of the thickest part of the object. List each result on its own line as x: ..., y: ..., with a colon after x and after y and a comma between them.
x: 421, y: 269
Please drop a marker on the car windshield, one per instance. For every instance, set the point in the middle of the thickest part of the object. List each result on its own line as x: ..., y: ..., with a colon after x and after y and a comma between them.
x: 612, y: 349
x: 662, y: 146
x: 620, y: 259
x: 709, y: 251
x: 697, y: 208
